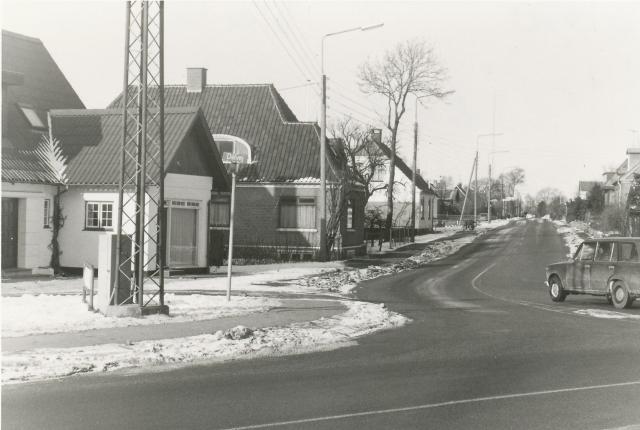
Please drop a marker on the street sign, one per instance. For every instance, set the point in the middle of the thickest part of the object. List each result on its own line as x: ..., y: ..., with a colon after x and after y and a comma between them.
x: 231, y: 158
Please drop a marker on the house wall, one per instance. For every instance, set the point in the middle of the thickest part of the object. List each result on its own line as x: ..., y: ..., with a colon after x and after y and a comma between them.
x: 80, y: 245
x: 33, y: 237
x: 257, y: 216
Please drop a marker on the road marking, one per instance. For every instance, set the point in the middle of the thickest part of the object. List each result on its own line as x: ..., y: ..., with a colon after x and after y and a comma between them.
x: 550, y: 308
x: 432, y: 406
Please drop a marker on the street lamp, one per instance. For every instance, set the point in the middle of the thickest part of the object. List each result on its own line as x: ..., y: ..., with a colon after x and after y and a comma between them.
x: 323, y: 137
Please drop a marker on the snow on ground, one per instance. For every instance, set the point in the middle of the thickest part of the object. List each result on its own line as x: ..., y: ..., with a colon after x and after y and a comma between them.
x: 360, y: 319
x: 343, y: 281
x: 245, y: 279
x: 423, y: 238
x: 599, y: 313
x: 44, y: 313
x: 575, y: 233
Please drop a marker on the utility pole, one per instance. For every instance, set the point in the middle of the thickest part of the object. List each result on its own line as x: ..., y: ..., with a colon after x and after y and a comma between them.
x: 475, y: 193
x: 413, y: 175
x: 141, y: 182
x: 322, y: 198
x: 489, y: 196
x: 464, y: 203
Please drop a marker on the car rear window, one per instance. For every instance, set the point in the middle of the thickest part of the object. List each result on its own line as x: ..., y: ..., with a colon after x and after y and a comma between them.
x: 627, y: 251
x: 604, y: 251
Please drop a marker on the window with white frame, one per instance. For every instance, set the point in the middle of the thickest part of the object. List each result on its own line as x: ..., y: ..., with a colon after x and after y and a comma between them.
x: 98, y: 215
x: 350, y: 206
x: 379, y: 173
x: 422, y: 207
x: 297, y: 213
x: 219, y: 211
x: 46, y: 222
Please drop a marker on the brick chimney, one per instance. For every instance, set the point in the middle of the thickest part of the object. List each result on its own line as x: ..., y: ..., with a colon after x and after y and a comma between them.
x: 196, y: 79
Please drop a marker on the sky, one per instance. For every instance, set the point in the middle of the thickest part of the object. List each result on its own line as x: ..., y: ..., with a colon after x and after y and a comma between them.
x: 560, y: 81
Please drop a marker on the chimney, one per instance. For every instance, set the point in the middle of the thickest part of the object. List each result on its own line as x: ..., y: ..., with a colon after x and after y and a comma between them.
x: 608, y: 176
x: 196, y: 79
x: 633, y: 158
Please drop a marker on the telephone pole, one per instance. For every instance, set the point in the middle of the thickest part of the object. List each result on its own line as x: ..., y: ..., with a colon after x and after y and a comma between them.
x: 413, y: 175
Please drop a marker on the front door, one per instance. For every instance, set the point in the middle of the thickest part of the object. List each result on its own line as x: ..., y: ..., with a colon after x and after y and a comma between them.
x: 9, y: 233
x: 182, y: 238
x: 582, y: 267
x: 603, y: 266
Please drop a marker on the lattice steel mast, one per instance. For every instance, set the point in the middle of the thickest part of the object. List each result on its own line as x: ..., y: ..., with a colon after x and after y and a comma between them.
x: 141, y: 187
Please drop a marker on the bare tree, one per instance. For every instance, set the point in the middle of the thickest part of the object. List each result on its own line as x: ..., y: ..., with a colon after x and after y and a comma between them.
x: 55, y: 164
x: 410, y: 68
x: 513, y: 178
x: 363, y: 155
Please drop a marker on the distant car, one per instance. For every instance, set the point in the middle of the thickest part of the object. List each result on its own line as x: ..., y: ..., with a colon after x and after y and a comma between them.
x: 601, y: 267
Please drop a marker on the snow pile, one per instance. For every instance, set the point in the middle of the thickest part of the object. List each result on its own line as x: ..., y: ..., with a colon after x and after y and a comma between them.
x: 38, y: 314
x: 360, y: 319
x: 575, y: 233
x: 599, y: 313
x: 343, y: 281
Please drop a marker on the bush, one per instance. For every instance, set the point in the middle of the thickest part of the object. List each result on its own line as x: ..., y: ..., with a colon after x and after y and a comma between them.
x: 613, y: 220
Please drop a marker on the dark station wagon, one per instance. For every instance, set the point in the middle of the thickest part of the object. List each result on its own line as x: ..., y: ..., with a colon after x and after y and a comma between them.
x: 601, y: 267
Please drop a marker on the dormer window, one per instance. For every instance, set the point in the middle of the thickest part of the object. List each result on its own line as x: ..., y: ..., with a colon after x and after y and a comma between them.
x: 233, y: 146
x: 31, y: 116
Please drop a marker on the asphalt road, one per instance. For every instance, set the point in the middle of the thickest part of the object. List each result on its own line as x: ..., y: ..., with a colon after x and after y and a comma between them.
x: 487, y: 349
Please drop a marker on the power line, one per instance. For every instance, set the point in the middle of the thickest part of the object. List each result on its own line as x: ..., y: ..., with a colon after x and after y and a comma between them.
x: 355, y: 111
x: 284, y: 46
x: 297, y: 86
x: 298, y: 37
x: 292, y: 44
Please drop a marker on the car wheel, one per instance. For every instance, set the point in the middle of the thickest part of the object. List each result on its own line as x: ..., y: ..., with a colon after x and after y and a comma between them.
x: 556, y: 291
x: 620, y: 296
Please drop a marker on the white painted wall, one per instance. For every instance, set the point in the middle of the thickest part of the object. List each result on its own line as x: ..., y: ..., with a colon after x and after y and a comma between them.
x: 80, y: 246
x: 402, y: 200
x: 33, y: 237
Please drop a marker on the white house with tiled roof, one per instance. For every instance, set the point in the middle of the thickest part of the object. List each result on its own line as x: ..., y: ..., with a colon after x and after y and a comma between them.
x: 91, y: 139
x: 32, y: 85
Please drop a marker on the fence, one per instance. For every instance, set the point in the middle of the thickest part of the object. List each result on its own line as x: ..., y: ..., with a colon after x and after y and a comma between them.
x: 398, y: 235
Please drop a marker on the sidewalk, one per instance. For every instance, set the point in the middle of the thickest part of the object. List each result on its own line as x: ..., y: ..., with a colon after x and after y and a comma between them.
x: 291, y: 311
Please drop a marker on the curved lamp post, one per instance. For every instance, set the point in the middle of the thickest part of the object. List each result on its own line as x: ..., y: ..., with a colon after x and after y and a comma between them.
x: 323, y: 137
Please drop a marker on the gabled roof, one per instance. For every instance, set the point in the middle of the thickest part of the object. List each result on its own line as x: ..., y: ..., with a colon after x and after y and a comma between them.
x: 30, y: 78
x: 92, y: 139
x: 406, y: 170
x: 283, y: 148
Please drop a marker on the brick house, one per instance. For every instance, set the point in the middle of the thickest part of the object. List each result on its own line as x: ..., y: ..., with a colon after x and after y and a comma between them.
x: 276, y: 198
x: 32, y: 85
